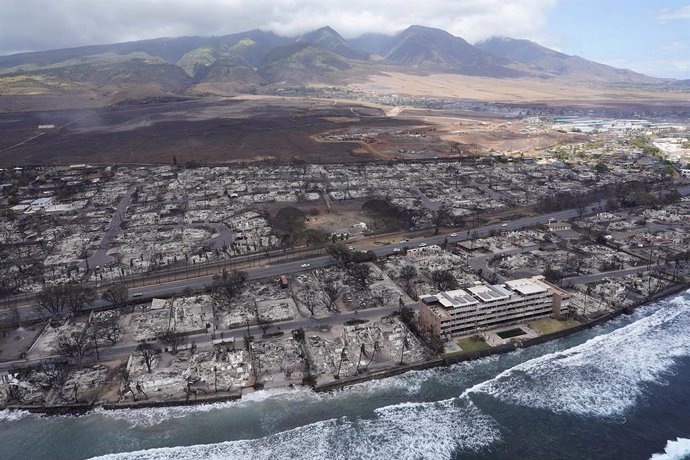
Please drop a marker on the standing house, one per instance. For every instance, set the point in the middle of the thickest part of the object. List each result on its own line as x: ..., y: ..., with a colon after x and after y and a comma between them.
x: 40, y: 204
x: 558, y: 226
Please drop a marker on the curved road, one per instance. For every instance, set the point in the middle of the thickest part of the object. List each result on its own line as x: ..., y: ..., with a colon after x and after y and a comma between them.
x: 101, y: 258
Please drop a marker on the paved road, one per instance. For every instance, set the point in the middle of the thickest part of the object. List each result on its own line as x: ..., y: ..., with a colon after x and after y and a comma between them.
x: 224, y: 238
x: 100, y: 258
x: 124, y: 350
x: 594, y: 277
x: 323, y: 261
x: 426, y: 201
x: 169, y: 288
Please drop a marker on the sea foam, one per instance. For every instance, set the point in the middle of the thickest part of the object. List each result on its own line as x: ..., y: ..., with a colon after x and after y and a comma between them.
x: 604, y: 376
x: 409, y: 430
x: 152, y: 416
x: 675, y: 450
x: 7, y: 415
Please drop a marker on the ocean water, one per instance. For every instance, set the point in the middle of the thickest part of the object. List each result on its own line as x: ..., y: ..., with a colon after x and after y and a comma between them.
x: 617, y: 391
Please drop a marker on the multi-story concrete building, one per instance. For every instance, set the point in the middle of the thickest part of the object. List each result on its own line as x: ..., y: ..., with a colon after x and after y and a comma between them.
x: 483, y: 306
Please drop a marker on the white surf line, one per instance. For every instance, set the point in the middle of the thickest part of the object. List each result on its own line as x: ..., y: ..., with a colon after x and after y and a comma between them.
x: 602, y: 376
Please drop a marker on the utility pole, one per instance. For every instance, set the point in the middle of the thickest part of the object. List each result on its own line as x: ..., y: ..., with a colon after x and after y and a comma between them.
x: 95, y: 344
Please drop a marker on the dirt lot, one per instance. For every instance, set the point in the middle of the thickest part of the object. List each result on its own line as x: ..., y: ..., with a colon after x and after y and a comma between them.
x: 207, y: 131
x: 217, y: 130
x: 513, y: 90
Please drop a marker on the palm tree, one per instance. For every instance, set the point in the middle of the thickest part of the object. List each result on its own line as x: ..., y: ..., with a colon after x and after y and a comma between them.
x: 376, y: 349
x: 343, y: 355
x: 362, y: 352
x: 405, y: 346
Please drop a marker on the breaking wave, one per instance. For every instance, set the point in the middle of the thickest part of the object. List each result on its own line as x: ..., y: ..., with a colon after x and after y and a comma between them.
x: 675, y: 450
x: 604, y: 376
x: 152, y: 416
x: 410, y: 430
x: 408, y: 383
x: 7, y: 415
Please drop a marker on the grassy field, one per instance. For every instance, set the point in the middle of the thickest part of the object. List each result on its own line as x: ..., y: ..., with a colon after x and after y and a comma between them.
x: 549, y: 325
x: 467, y: 344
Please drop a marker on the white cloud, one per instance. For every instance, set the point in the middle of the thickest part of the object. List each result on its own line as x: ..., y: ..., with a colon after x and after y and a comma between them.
x: 675, y: 46
x: 681, y: 13
x: 42, y: 24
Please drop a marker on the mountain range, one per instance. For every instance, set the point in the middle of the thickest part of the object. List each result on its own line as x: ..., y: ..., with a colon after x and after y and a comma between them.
x: 262, y: 61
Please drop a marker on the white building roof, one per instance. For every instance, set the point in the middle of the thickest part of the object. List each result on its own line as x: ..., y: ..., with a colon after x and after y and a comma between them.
x: 57, y: 208
x: 41, y: 201
x: 456, y: 298
x: 488, y: 293
x: 525, y: 286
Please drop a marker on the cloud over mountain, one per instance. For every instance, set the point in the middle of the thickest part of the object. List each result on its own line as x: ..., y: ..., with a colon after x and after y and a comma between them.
x: 27, y: 25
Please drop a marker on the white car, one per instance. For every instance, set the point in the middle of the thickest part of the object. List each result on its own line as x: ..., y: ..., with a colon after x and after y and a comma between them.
x: 306, y: 265
x: 396, y: 250
x: 504, y: 225
x: 453, y: 234
x: 404, y: 241
x: 421, y: 245
x: 350, y: 248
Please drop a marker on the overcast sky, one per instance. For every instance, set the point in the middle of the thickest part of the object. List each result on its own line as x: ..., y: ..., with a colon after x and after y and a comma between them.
x: 650, y: 36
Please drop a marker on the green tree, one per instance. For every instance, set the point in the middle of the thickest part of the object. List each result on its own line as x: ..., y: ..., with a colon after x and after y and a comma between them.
x: 601, y: 168
x: 116, y: 295
x: 443, y: 280
x: 340, y: 254
x: 288, y: 223
x: 52, y: 301
x: 552, y: 275
x: 78, y: 296
x: 312, y: 236
x: 359, y: 275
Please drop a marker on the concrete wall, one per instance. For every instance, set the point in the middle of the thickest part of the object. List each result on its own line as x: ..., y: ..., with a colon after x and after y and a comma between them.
x: 428, y: 321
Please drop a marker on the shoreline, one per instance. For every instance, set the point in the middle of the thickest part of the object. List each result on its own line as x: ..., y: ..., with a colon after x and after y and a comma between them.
x: 438, y: 361
x: 450, y: 359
